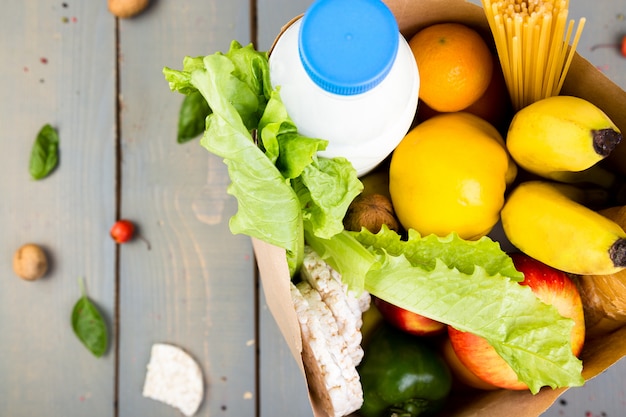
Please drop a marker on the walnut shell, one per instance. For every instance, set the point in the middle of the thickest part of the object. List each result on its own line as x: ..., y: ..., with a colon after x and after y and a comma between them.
x: 30, y: 262
x: 370, y: 211
x: 127, y: 8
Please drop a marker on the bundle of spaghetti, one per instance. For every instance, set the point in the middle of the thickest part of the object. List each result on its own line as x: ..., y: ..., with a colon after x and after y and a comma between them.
x: 532, y: 39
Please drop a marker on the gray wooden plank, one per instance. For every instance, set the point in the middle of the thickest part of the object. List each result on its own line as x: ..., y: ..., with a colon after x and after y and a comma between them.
x: 606, y: 24
x: 274, y: 14
x: 57, y: 68
x: 603, y: 396
x: 281, y: 388
x: 195, y: 288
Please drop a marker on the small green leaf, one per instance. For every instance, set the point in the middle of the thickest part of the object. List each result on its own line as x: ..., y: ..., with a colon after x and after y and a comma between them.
x: 192, y: 116
x: 88, y: 325
x: 44, y: 155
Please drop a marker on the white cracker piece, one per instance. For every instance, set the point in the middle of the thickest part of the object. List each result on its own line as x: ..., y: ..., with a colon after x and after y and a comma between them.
x: 174, y: 378
x: 330, y: 370
x: 346, y: 308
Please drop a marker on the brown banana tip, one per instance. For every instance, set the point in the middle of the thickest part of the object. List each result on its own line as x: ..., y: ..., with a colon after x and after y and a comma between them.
x: 617, y: 253
x: 605, y: 140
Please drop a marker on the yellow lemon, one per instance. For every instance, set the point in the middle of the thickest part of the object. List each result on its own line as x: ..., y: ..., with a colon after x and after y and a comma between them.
x: 449, y: 174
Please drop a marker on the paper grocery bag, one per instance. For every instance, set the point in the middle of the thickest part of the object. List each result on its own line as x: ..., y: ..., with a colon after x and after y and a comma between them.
x: 584, y: 81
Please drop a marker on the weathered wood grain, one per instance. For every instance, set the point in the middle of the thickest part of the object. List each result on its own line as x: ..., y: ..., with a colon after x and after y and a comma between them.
x: 273, y: 14
x: 57, y: 67
x: 280, y: 385
x: 195, y: 287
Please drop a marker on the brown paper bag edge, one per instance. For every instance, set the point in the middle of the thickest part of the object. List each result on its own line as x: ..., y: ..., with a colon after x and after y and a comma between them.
x: 275, y: 281
x: 583, y: 80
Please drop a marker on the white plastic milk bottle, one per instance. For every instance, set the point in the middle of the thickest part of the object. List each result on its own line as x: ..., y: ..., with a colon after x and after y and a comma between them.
x: 347, y: 75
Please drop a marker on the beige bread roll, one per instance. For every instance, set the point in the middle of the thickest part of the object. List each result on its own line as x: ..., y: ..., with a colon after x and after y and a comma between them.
x: 604, y: 296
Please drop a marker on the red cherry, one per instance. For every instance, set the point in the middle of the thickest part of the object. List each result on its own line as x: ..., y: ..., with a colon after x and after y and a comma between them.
x: 122, y: 231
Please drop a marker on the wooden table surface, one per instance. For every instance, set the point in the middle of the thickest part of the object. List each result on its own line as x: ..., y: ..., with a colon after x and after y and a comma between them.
x: 98, y: 81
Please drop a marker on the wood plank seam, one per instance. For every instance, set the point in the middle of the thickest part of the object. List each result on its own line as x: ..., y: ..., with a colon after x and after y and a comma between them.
x: 254, y: 36
x: 254, y: 26
x: 118, y: 205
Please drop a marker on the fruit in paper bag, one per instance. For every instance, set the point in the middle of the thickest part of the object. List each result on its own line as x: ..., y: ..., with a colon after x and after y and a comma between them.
x: 605, y: 295
x: 552, y: 287
x: 493, y: 106
x: 543, y: 220
x: 449, y: 174
x: 408, y: 321
x: 560, y: 135
x: 455, y: 65
x: 460, y: 372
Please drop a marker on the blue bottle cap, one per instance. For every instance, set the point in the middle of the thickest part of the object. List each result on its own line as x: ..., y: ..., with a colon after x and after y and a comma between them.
x: 348, y: 47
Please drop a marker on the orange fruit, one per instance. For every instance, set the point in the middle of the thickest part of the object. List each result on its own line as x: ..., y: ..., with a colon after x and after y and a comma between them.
x: 494, y: 105
x: 449, y: 174
x: 454, y: 63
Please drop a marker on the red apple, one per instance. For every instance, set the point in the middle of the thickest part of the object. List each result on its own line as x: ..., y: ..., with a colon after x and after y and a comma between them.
x: 552, y: 287
x: 408, y: 321
x: 461, y: 373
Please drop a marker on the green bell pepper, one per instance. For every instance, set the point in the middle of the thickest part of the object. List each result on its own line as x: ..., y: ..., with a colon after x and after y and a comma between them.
x: 402, y: 376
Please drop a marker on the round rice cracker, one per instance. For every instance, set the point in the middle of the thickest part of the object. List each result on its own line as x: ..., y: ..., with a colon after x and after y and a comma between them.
x: 346, y: 306
x: 331, y: 374
x: 174, y: 378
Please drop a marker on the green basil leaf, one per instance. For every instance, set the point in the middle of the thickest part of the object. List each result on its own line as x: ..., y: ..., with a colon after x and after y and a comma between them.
x: 192, y: 116
x: 89, y: 326
x: 44, y: 155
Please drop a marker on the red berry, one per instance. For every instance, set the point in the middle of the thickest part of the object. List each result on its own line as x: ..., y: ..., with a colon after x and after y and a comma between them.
x: 122, y: 231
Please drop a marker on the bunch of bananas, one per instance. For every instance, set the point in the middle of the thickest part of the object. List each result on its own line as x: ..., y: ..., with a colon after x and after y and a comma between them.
x: 561, y: 140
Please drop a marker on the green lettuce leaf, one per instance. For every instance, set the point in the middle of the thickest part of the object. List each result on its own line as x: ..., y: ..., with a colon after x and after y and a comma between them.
x: 268, y: 208
x: 346, y: 255
x: 472, y: 287
x: 453, y: 251
x: 283, y: 145
x: 276, y: 175
x: 528, y: 334
x: 325, y: 199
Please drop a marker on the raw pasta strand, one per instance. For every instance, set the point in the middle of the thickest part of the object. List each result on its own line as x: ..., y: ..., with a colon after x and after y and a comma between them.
x: 540, y: 68
x: 516, y: 48
x: 532, y: 40
x: 505, y: 61
x: 556, y: 47
x: 572, y: 49
x: 529, y: 40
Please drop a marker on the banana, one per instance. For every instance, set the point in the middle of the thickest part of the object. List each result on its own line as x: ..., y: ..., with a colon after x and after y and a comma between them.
x: 546, y: 221
x: 561, y: 136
